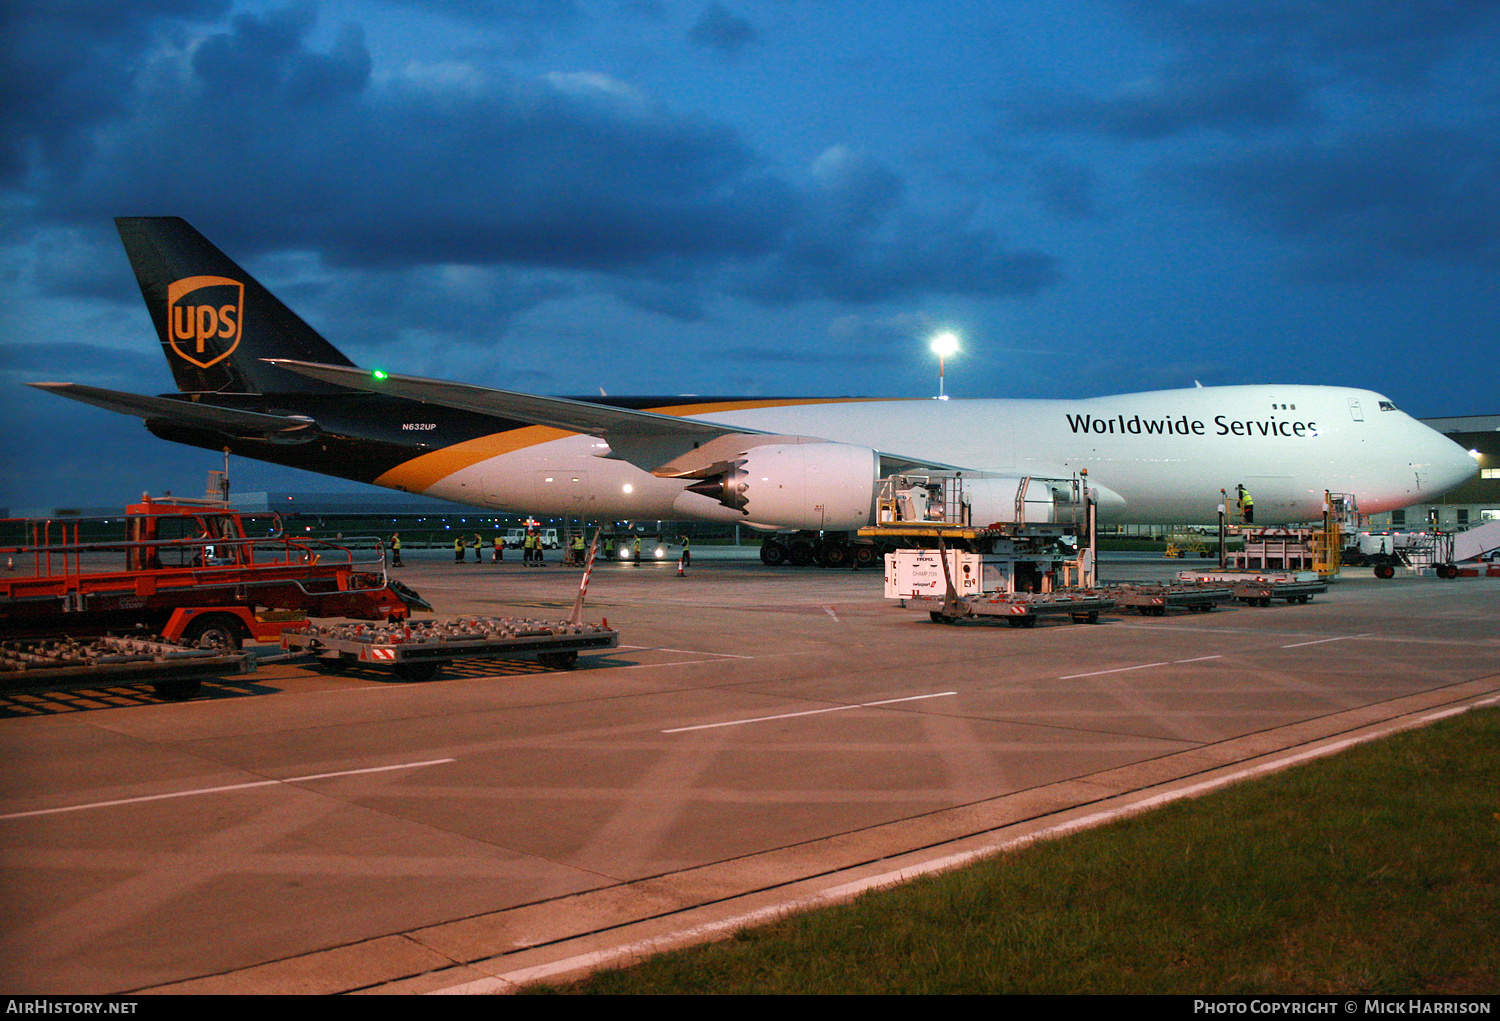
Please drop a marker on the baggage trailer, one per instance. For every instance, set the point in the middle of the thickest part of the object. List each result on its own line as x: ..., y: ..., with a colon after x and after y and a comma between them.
x: 417, y: 650
x: 1260, y: 592
x: 54, y: 664
x: 1258, y: 589
x: 1153, y: 600
x: 1018, y: 609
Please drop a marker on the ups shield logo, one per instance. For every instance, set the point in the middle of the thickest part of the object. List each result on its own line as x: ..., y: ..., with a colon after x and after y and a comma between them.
x: 205, y: 318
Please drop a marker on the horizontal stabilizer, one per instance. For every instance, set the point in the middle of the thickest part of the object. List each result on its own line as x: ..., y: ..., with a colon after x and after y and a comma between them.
x: 190, y: 414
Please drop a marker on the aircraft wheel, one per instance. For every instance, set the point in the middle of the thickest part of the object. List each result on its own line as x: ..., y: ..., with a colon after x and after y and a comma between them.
x: 834, y: 554
x: 801, y: 553
x: 772, y: 554
x: 865, y: 555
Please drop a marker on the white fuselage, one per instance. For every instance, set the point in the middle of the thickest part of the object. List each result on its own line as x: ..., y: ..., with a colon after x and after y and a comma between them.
x: 1167, y: 455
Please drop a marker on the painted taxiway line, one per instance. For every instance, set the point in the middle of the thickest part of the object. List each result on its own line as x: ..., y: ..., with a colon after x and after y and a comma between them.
x: 807, y: 712
x: 1324, y: 641
x: 508, y: 982
x: 195, y: 792
x: 1138, y: 666
x: 684, y: 652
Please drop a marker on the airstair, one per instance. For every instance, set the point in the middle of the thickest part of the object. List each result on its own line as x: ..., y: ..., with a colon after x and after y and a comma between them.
x: 1476, y: 542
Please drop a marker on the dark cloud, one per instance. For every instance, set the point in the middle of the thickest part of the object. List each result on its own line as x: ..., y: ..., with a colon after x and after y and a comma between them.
x: 1183, y: 98
x: 1390, y: 40
x: 720, y: 29
x: 1360, y: 202
x: 1242, y: 68
x: 70, y: 65
x: 264, y: 56
x: 76, y: 263
x: 501, y: 12
x: 862, y: 242
x: 268, y: 143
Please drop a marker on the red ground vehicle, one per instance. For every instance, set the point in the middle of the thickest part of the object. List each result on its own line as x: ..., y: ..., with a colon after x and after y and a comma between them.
x: 186, y: 570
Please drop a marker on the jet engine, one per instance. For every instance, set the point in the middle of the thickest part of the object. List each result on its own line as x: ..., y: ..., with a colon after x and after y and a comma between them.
x: 1044, y: 501
x: 799, y: 485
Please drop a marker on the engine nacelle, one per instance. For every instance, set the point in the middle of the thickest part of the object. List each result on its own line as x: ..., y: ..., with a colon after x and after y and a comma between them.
x: 1045, y: 501
x: 800, y: 485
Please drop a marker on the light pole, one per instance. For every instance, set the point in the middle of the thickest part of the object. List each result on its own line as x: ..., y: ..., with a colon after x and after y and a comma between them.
x: 943, y: 345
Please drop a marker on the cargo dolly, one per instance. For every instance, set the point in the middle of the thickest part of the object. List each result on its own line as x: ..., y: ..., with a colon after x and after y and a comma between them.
x: 1258, y: 588
x: 418, y: 650
x: 52, y: 664
x: 1260, y: 591
x: 1018, y: 609
x: 1153, y: 600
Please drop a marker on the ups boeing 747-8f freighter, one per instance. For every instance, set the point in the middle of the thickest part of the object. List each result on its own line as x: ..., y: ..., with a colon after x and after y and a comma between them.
x: 255, y: 379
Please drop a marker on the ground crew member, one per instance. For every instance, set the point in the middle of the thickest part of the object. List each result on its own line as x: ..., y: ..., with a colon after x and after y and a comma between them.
x: 687, y: 553
x: 478, y: 557
x: 533, y: 548
x: 635, y: 550
x: 1247, y: 504
x: 609, y: 548
x: 396, y: 550
x: 458, y: 549
x: 578, y: 549
x: 499, y: 553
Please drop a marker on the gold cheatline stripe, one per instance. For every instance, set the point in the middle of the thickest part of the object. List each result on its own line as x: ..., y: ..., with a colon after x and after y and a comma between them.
x: 426, y: 470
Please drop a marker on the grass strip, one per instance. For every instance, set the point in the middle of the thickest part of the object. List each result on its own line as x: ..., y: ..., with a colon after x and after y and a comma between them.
x: 1377, y: 871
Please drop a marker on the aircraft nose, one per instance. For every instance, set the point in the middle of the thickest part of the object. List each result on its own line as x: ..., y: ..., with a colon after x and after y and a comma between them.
x: 1449, y: 464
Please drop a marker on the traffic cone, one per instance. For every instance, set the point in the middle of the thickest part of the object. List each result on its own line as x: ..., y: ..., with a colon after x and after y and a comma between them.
x: 680, y: 572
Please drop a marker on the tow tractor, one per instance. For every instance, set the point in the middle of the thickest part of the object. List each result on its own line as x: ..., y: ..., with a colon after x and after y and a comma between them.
x: 185, y: 576
x: 187, y: 571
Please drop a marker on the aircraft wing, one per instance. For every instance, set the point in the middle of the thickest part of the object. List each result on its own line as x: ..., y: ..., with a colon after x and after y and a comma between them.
x: 192, y: 414
x: 644, y: 438
x: 668, y: 446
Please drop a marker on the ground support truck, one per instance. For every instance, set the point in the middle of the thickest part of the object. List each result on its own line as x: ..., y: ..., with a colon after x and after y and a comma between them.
x: 188, y: 572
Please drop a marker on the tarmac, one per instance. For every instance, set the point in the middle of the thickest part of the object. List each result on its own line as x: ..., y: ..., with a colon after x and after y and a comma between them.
x: 763, y: 741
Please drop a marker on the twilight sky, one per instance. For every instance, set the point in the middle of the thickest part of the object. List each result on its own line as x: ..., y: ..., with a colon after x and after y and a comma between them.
x: 755, y: 197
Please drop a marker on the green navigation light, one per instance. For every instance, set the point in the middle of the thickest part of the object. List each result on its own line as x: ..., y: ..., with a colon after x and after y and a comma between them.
x: 379, y: 374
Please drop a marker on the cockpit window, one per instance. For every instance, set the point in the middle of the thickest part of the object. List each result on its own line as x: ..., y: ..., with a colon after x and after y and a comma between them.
x: 1387, y: 406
